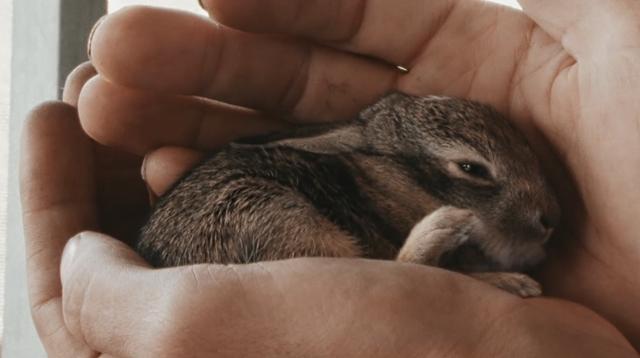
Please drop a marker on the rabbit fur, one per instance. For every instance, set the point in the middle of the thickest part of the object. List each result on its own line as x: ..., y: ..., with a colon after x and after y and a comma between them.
x: 431, y: 180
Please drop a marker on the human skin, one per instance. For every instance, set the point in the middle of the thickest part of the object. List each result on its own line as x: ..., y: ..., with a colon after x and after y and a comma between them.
x: 568, y: 79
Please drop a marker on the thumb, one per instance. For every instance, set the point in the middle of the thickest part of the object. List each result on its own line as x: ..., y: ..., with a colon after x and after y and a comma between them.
x: 102, y: 250
x: 163, y: 167
x: 587, y: 28
x: 116, y: 304
x: 106, y: 294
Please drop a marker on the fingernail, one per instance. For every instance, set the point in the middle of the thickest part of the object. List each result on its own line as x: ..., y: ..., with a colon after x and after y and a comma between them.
x: 143, y: 168
x: 143, y: 173
x: 67, y: 255
x: 402, y: 69
x: 93, y: 31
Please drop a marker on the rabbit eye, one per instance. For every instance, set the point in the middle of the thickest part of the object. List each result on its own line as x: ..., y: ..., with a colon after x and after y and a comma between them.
x: 475, y: 170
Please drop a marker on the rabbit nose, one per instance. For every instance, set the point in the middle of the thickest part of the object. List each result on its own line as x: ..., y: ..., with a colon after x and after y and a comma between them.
x: 544, y: 221
x: 543, y: 226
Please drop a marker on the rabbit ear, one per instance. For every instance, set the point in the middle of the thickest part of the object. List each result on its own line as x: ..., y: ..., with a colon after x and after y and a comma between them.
x: 388, y: 102
x: 347, y: 137
x: 331, y: 139
x: 339, y: 140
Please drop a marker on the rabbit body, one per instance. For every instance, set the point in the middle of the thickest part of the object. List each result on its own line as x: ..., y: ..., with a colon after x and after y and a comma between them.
x: 432, y: 180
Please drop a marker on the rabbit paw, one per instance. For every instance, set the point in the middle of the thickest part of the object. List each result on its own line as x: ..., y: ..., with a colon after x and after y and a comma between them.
x: 512, y: 282
x: 442, y: 231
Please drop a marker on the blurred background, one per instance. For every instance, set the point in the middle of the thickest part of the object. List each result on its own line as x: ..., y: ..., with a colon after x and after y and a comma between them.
x: 23, y: 344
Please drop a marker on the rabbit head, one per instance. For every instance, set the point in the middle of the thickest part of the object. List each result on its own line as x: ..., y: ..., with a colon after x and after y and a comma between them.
x: 468, y: 155
x: 461, y: 153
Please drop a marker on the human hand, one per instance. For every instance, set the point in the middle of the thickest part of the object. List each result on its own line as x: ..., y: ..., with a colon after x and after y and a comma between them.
x: 112, y: 304
x: 319, y: 100
x: 565, y: 80
x: 69, y: 184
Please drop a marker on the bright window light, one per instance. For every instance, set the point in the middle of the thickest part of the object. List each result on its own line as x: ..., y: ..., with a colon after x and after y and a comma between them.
x: 512, y: 3
x: 188, y: 5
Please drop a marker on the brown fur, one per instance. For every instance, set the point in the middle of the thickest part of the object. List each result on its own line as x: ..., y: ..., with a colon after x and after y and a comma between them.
x: 433, y: 180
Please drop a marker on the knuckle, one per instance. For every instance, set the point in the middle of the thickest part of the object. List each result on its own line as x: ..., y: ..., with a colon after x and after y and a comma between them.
x: 80, y: 75
x: 76, y: 80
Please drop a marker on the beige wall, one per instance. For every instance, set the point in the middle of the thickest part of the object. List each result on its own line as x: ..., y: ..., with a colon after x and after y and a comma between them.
x: 48, y: 39
x: 5, y: 78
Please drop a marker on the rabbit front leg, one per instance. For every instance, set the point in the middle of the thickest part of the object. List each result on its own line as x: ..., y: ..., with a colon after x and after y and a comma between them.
x: 445, y: 230
x: 442, y: 231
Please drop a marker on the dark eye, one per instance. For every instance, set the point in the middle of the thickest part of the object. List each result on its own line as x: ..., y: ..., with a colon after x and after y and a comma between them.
x: 475, y: 170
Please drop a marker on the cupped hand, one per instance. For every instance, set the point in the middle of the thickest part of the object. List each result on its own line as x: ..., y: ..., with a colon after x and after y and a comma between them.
x: 325, y: 61
x: 110, y: 303
x: 101, y: 299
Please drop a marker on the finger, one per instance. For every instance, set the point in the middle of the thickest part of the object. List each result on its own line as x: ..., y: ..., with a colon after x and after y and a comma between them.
x: 57, y: 188
x: 89, y: 262
x: 163, y: 167
x: 393, y: 31
x: 260, y: 72
x: 457, y: 48
x: 366, y: 26
x: 75, y: 81
x: 588, y: 27
x: 140, y: 121
x: 117, y: 305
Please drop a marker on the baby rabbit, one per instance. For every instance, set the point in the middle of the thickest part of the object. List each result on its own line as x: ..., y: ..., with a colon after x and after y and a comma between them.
x: 430, y: 180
